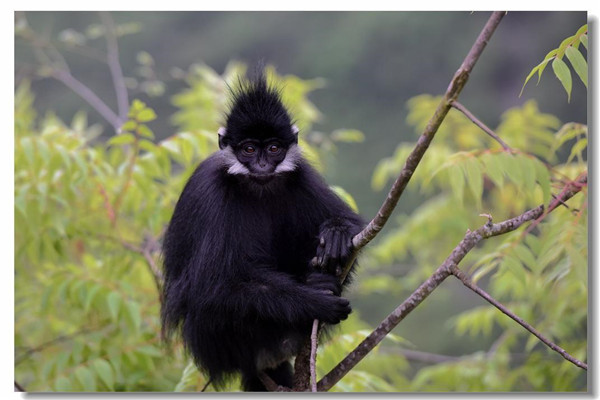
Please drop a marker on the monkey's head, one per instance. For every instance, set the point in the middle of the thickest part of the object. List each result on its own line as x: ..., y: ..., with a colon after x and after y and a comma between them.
x: 259, y: 139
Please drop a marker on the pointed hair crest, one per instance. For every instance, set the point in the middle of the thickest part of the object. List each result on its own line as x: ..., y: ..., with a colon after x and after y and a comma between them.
x: 257, y: 112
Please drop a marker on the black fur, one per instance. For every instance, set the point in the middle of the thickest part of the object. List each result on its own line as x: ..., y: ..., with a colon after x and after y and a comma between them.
x: 239, y: 283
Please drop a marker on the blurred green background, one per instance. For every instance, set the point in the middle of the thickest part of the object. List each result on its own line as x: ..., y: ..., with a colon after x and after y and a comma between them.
x: 368, y: 64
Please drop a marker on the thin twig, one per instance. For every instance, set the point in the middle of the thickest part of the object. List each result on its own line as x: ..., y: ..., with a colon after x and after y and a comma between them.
x: 425, y: 357
x: 49, y: 343
x: 480, y: 124
x: 206, y: 385
x: 448, y: 267
x: 313, y: 355
x: 468, y: 283
x: 114, y: 65
x: 19, y: 387
x: 89, y: 96
x: 570, y: 186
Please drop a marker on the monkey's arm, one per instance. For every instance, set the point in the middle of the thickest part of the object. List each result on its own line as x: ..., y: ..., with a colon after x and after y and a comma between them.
x: 278, y: 297
x: 338, y: 224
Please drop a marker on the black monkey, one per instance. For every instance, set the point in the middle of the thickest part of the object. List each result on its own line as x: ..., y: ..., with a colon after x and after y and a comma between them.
x: 240, y: 283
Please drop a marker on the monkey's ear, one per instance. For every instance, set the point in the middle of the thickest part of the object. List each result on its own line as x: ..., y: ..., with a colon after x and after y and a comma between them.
x: 222, y: 131
x: 295, y: 131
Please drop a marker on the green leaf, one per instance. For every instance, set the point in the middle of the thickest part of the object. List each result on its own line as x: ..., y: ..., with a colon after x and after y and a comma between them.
x: 474, y: 179
x: 584, y: 41
x: 457, y: 181
x: 114, y: 304
x: 144, y: 131
x: 63, y: 384
x: 578, y: 62
x: 122, y: 139
x: 581, y: 31
x: 146, y: 115
x: 347, y: 135
x: 347, y: 197
x: 129, y: 125
x: 563, y: 74
x: 551, y: 54
x: 136, y: 106
x: 563, y: 46
x: 577, y: 149
x: 539, y: 68
x: 151, y: 351
x: 91, y: 294
x: 525, y: 255
x: 86, y: 378
x: 105, y: 372
x: 543, y: 178
x: 135, y: 316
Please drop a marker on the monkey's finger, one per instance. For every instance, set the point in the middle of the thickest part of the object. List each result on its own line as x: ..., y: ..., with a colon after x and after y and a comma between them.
x: 314, y: 262
x: 322, y: 241
x: 327, y: 253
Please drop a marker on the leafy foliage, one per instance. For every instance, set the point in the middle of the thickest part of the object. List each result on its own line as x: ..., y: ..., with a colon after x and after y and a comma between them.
x: 570, y: 48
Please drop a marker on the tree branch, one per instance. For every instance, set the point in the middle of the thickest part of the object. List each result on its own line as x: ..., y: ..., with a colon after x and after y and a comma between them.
x: 480, y: 124
x: 89, y: 96
x: 448, y: 267
x: 468, y: 283
x: 114, y: 65
x: 313, y: 355
x: 19, y: 387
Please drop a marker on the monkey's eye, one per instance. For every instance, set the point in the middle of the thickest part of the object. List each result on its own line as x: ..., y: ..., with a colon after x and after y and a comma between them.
x: 273, y: 148
x: 249, y: 149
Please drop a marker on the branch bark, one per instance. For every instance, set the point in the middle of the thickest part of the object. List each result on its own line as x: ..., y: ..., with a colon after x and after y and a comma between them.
x: 447, y: 268
x: 114, y: 65
x: 89, y: 96
x: 468, y: 283
x: 480, y: 124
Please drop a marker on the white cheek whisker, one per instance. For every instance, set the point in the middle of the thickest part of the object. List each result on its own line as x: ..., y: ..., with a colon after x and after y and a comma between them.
x: 291, y: 160
x: 235, y: 167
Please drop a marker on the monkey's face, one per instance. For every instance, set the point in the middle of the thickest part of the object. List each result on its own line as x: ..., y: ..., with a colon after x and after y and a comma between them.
x: 260, y: 154
x: 261, y: 160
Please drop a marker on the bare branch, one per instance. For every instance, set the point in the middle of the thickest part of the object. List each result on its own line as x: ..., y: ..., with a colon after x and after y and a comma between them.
x: 115, y: 66
x: 448, y: 267
x: 302, y: 367
x: 425, y: 357
x: 480, y: 124
x: 19, y: 387
x: 313, y: 355
x: 468, y: 283
x: 89, y: 96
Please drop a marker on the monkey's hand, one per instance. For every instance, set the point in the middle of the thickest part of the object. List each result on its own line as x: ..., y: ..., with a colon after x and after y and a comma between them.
x: 325, y: 282
x: 328, y: 305
x: 335, y: 245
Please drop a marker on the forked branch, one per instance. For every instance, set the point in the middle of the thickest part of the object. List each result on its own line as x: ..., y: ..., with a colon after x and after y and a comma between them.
x: 448, y: 267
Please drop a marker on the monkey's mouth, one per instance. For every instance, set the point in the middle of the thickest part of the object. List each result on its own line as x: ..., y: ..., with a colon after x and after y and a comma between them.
x: 263, y: 178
